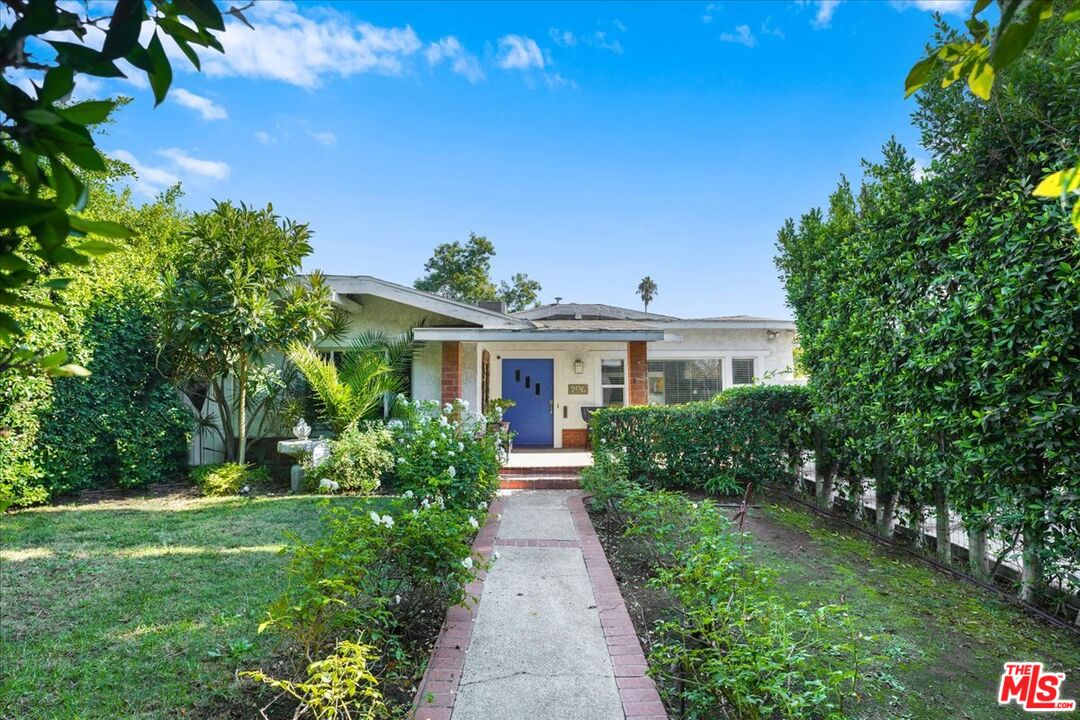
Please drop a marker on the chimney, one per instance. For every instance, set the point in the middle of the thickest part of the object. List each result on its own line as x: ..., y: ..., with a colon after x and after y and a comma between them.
x: 558, y: 300
x: 498, y: 306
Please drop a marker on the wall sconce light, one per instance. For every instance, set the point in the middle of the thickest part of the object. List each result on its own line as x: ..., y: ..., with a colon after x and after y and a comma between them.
x: 579, y: 367
x: 772, y: 335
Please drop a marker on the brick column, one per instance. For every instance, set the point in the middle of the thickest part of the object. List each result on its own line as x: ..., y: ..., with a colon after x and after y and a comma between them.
x: 637, y: 361
x: 451, y: 371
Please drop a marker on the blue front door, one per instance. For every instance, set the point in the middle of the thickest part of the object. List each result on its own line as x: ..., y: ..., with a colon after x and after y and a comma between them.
x: 529, y: 384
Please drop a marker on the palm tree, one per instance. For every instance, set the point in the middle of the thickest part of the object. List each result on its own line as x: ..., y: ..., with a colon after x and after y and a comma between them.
x: 353, y: 392
x: 647, y: 291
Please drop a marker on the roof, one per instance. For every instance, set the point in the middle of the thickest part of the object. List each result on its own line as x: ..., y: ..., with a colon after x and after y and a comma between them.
x: 586, y: 311
x: 595, y: 318
x: 344, y: 285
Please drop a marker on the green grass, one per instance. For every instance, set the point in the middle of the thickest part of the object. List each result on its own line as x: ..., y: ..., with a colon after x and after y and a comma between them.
x: 938, y: 643
x: 140, y: 608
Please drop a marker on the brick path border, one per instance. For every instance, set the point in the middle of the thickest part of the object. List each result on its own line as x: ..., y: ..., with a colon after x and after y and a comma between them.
x: 443, y: 674
x: 640, y: 699
x: 637, y: 691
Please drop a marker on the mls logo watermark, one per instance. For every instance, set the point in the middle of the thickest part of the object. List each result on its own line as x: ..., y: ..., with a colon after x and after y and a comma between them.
x: 1028, y: 686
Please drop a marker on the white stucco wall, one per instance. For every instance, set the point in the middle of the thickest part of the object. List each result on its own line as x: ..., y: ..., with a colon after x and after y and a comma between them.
x: 773, y: 363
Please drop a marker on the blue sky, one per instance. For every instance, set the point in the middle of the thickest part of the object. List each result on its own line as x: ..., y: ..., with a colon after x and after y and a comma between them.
x: 592, y: 143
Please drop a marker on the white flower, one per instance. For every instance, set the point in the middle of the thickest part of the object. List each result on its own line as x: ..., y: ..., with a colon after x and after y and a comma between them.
x: 408, y: 494
x: 482, y: 505
x: 416, y: 512
x: 375, y: 518
x: 443, y: 421
x: 395, y: 424
x: 431, y: 444
x: 464, y: 403
x: 472, y: 521
x: 461, y: 446
x: 397, y: 599
x: 440, y: 502
x: 495, y: 555
x: 401, y: 459
x: 452, y: 471
x: 448, y: 408
x: 467, y: 563
x: 388, y: 521
x: 450, y: 453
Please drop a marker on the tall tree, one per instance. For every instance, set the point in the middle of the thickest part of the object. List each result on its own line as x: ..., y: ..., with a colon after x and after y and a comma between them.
x: 463, y: 272
x: 647, y: 291
x: 43, y: 134
x: 234, y: 299
x: 520, y: 293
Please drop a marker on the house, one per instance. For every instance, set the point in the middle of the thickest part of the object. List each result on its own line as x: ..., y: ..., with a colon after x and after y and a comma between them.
x: 558, y: 361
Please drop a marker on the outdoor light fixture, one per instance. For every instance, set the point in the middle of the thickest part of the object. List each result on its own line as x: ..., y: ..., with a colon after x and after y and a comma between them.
x: 579, y: 367
x: 772, y: 334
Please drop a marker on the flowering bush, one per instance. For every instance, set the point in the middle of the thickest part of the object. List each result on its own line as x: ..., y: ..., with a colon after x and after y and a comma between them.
x: 386, y: 571
x: 359, y: 459
x: 445, y: 452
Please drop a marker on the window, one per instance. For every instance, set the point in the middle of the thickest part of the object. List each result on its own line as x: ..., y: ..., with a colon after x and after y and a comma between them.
x: 613, y: 382
x: 742, y: 371
x: 679, y: 381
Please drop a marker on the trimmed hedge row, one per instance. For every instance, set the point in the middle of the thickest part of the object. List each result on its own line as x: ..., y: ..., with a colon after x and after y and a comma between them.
x: 745, y: 435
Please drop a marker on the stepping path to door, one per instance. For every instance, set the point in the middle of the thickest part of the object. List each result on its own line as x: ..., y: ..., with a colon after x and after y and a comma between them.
x: 550, y: 638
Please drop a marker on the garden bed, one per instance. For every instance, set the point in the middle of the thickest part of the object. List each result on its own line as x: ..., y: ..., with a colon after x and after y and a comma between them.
x: 936, y: 645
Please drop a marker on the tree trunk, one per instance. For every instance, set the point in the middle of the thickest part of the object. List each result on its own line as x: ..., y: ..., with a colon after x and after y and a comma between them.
x: 823, y: 472
x: 977, y: 560
x: 941, y: 507
x: 241, y: 411
x: 228, y: 437
x: 1032, y: 571
x: 886, y: 498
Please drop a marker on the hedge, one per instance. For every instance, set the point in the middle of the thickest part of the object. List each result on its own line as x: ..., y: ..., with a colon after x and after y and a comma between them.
x: 745, y: 435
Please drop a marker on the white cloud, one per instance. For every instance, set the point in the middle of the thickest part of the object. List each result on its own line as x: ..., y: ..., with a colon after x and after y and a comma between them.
x: 265, y: 138
x: 600, y: 40
x: 710, y: 12
x: 619, y: 25
x: 517, y: 52
x: 461, y: 61
x: 213, y: 169
x: 956, y: 7
x: 555, y: 80
x: 324, y: 137
x: 207, y: 108
x: 742, y: 36
x: 303, y: 50
x: 565, y: 38
x: 149, y: 180
x: 768, y: 29
x: 825, y: 11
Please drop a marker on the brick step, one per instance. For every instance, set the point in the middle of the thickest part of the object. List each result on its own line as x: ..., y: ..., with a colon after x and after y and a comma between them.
x: 545, y: 470
x: 539, y: 482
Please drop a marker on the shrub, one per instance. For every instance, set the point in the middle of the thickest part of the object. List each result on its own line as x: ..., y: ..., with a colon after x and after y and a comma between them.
x: 359, y: 459
x: 746, y: 435
x: 339, y: 685
x: 445, y: 452
x: 732, y: 648
x: 227, y: 478
x: 376, y: 572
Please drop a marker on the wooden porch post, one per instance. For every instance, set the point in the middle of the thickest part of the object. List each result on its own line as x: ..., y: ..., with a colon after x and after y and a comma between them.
x: 637, y: 362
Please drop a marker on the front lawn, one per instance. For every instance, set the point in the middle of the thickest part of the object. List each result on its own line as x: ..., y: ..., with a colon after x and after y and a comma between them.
x: 140, y: 608
x: 939, y: 643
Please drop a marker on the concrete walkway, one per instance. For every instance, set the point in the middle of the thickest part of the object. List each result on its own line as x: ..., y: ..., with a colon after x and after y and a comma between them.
x: 550, y: 638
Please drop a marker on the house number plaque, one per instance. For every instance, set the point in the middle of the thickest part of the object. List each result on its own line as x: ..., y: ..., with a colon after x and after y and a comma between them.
x: 577, y: 389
